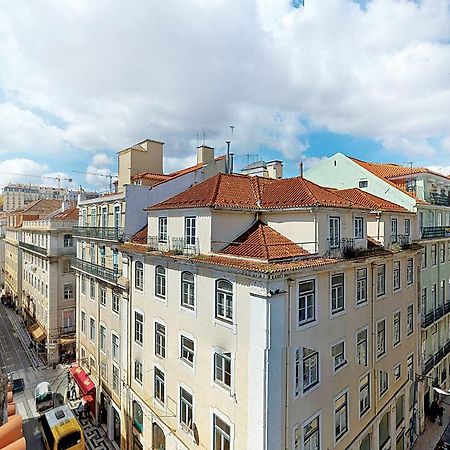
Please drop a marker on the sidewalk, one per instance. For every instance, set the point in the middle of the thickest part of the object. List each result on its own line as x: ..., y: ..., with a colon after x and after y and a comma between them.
x: 433, y: 432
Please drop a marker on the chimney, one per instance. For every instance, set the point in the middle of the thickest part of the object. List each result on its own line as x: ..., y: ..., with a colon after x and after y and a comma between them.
x: 275, y: 169
x: 65, y: 205
x: 300, y: 169
x: 205, y: 154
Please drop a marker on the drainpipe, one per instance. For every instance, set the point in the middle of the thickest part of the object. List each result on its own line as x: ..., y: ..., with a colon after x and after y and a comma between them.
x: 290, y: 283
x: 374, y: 341
x: 129, y: 425
x: 378, y: 226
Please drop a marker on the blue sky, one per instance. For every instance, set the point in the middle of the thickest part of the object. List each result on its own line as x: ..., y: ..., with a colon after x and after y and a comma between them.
x: 369, y: 78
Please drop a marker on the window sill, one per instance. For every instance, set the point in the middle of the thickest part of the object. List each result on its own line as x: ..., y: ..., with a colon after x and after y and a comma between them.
x: 340, y: 368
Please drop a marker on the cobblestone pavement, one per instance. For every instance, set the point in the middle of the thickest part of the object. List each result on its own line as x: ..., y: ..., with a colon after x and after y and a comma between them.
x: 19, y: 360
x: 433, y: 431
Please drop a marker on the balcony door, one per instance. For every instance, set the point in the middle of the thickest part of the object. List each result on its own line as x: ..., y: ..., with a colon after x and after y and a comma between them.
x: 335, y: 231
x: 117, y: 216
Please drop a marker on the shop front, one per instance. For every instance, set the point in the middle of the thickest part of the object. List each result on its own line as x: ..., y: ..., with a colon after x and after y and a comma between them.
x: 86, y: 387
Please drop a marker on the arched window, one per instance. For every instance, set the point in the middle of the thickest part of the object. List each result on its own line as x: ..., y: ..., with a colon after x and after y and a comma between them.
x: 139, y: 275
x: 224, y: 300
x: 138, y: 416
x: 160, y: 281
x: 187, y: 290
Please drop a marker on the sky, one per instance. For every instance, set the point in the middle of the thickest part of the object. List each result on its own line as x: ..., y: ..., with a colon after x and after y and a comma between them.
x: 80, y: 80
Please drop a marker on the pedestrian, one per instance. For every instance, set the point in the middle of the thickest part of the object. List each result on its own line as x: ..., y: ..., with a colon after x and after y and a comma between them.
x: 440, y: 414
x: 434, y: 410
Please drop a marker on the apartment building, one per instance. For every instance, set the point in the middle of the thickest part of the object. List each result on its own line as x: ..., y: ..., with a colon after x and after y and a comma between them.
x: 3, y: 224
x: 263, y: 314
x: 425, y: 193
x: 102, y: 283
x: 48, y: 280
x: 13, y: 237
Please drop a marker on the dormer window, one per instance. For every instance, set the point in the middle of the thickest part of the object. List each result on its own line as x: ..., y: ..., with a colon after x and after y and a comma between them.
x: 363, y: 184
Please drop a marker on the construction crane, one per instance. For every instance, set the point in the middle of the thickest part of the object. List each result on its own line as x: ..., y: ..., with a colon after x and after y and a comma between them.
x: 59, y: 178
x: 110, y: 176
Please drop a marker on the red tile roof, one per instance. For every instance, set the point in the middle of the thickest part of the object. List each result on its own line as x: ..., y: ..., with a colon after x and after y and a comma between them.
x: 370, y: 201
x: 68, y: 214
x: 255, y: 193
x: 263, y: 242
x: 140, y: 237
x: 390, y: 170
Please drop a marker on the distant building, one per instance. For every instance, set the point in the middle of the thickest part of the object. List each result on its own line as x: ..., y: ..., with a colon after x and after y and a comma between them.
x: 17, y: 195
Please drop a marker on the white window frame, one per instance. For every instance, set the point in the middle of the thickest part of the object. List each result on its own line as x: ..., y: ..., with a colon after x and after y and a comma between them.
x: 366, y: 330
x: 359, y: 227
x: 395, y: 342
x: 361, y: 286
x: 381, y: 355
x: 345, y: 393
x: 102, y: 295
x: 161, y: 283
x: 397, y: 372
x: 305, y: 389
x: 139, y: 328
x: 138, y: 379
x: 83, y: 321
x: 161, y: 382
x: 341, y: 364
x: 410, y: 325
x: 115, y: 296
x: 186, y: 426
x: 380, y: 392
x: 187, y: 353
x: 396, y: 276
x: 227, y: 302
x: 156, y: 340
x: 337, y: 302
x: 115, y: 350
x: 381, y: 276
x: 187, y: 291
x: 102, y: 338
x: 409, y: 271
x: 363, y: 412
x: 307, y: 306
x: 224, y: 357
x: 190, y: 230
x: 162, y: 229
x: 92, y: 338
x: 227, y: 421
x: 139, y: 275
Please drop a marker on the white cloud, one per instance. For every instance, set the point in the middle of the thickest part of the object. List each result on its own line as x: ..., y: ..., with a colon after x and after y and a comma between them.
x: 444, y: 170
x: 20, y: 170
x: 380, y: 72
x: 98, y: 173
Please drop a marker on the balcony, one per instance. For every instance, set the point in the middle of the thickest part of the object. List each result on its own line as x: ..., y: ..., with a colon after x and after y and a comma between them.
x: 95, y: 270
x: 441, y: 199
x: 33, y: 248
x: 104, y: 233
x: 341, y: 248
x: 69, y: 329
x: 428, y: 365
x: 175, y: 245
x: 432, y: 316
x: 435, y: 232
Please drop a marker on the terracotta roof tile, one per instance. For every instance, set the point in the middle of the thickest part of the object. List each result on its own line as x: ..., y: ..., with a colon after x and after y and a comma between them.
x: 140, y: 237
x: 370, y: 201
x: 68, y: 214
x: 390, y: 170
x: 255, y: 193
x: 263, y: 242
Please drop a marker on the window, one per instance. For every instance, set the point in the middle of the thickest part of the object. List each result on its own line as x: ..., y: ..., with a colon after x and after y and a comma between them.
x: 337, y: 293
x: 102, y: 251
x: 83, y: 322
x: 311, y: 434
x: 359, y: 227
x: 92, y: 329
x: 138, y: 417
x: 306, y: 302
x: 115, y: 302
x: 222, y: 369
x: 67, y: 240
x: 115, y: 260
x: 433, y: 255
x: 104, y: 216
x: 340, y: 416
x: 138, y: 328
x: 102, y: 338
x: 362, y: 347
x: 407, y: 227
x: 366, y: 442
x: 224, y: 301
x: 383, y: 382
x: 396, y: 276
x: 394, y: 231
x: 361, y: 286
x: 399, y: 410
x: 159, y: 386
x: 138, y: 372
x: 383, y: 430
x: 335, y: 232
x: 187, y: 290
x: 187, y: 350
x: 102, y: 296
x: 160, y: 340
x: 104, y: 371
x: 310, y: 366
x: 423, y: 257
x: 397, y: 372
x: 139, y: 275
x: 162, y: 229
x: 68, y: 291
x: 190, y: 230
x: 115, y: 379
x: 221, y: 434
x: 381, y: 338
x: 363, y: 184
x: 410, y: 367
x: 410, y: 271
x: 442, y: 293
x: 115, y: 346
x: 410, y: 320
x: 160, y: 281
x: 186, y: 408
x: 93, y: 216
x: 92, y: 288
x: 92, y: 252
x: 442, y: 252
x: 381, y: 280
x: 396, y: 332
x: 116, y: 216
x: 67, y: 266
x: 338, y: 355
x: 364, y: 394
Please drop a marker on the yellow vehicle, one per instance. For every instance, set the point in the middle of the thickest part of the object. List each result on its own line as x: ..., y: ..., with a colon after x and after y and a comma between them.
x: 61, y: 430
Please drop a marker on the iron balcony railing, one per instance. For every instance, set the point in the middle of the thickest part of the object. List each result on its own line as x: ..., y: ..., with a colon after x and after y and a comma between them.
x: 33, y: 248
x: 175, y: 245
x: 428, y: 365
x: 435, y: 232
x: 433, y: 360
x: 69, y: 329
x: 432, y: 316
x: 343, y: 248
x: 105, y: 233
x: 439, y: 199
x: 105, y: 273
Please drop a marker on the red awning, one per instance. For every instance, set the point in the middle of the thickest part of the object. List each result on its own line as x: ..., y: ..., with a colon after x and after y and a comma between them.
x: 82, y: 379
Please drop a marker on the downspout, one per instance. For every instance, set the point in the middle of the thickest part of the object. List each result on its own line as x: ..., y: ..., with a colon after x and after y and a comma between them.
x: 130, y: 309
x: 378, y: 226
x: 290, y: 282
x: 374, y: 341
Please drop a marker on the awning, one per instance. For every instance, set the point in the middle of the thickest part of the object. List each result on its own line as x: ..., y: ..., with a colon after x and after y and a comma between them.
x: 38, y: 333
x: 441, y: 391
x: 66, y: 341
x: 85, y: 384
